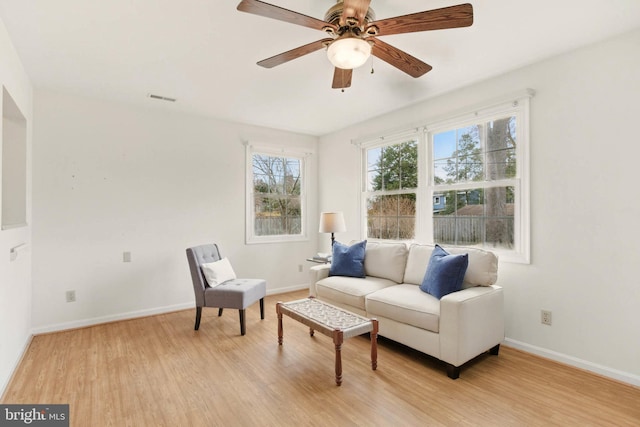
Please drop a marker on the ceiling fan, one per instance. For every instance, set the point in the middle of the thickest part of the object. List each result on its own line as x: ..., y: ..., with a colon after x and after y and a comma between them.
x: 353, y: 34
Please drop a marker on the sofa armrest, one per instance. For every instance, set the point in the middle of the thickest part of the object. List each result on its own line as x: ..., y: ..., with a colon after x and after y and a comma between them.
x: 471, y: 322
x: 317, y: 273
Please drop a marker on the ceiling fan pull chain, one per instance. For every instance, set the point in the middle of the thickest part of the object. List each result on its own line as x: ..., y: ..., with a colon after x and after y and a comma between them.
x: 372, y: 64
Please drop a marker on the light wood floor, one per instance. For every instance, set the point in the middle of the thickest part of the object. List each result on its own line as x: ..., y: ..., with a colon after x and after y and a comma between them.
x: 157, y: 371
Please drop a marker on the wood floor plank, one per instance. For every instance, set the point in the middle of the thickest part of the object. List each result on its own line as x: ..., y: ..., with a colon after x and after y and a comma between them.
x: 158, y: 371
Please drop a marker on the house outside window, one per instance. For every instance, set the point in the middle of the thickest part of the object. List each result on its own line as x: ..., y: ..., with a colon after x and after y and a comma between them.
x: 439, y: 202
x: 473, y: 167
x: 275, y: 196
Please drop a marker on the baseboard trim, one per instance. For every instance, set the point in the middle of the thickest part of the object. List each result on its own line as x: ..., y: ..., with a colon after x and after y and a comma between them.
x: 615, y: 374
x: 140, y: 313
x: 287, y: 289
x: 111, y: 318
x: 5, y: 386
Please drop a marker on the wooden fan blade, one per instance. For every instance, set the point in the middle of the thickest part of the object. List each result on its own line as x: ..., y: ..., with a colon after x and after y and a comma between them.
x: 354, y: 9
x: 294, y: 53
x: 399, y: 59
x: 437, y: 19
x: 270, y: 11
x: 341, y: 78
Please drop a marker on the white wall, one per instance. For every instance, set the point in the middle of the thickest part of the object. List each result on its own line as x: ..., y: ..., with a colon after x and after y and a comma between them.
x: 15, y: 276
x: 110, y: 178
x: 584, y: 166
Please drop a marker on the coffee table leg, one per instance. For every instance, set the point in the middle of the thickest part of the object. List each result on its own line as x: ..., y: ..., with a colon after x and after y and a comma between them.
x: 310, y: 332
x: 279, y: 313
x: 337, y: 340
x: 374, y: 345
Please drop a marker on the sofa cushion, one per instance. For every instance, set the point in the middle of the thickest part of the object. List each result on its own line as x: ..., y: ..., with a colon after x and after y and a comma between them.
x: 482, y: 269
x: 483, y: 266
x: 406, y: 304
x: 417, y: 262
x: 444, y: 273
x: 350, y: 290
x: 386, y: 260
x: 348, y: 260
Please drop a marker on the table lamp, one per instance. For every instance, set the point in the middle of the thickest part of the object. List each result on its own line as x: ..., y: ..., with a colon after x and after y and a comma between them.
x: 332, y: 222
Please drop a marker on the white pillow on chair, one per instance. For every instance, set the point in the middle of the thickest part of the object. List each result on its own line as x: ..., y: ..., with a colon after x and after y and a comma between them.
x: 218, y: 272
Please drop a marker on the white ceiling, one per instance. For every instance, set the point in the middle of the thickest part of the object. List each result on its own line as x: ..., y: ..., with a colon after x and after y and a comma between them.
x: 204, y: 53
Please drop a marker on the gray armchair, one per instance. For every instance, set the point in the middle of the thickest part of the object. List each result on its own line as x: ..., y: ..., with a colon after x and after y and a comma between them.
x: 238, y: 293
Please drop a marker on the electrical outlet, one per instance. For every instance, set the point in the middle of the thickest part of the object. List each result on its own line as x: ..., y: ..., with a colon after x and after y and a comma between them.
x: 126, y: 256
x: 545, y: 317
x: 71, y: 296
x: 299, y: 268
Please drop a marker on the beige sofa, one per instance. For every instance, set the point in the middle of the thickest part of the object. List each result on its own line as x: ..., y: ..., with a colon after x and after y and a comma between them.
x: 455, y: 329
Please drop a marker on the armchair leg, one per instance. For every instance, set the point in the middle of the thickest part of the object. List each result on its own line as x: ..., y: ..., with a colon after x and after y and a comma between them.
x: 494, y: 350
x: 243, y: 328
x: 198, y: 315
x: 220, y: 312
x: 262, y: 308
x: 453, y: 372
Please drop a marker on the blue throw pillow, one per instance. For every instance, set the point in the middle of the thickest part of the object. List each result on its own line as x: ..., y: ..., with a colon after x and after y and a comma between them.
x: 445, y: 273
x: 348, y: 260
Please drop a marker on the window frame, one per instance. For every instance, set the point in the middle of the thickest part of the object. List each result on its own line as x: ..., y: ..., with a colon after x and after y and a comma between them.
x: 366, y: 193
x: 520, y: 109
x: 518, y: 105
x: 280, y: 152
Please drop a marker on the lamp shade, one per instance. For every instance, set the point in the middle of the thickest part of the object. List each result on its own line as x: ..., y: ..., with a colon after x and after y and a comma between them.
x: 349, y: 52
x: 332, y: 222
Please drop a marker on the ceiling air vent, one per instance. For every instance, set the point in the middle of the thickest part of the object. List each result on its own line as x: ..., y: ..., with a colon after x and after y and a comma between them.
x: 162, y: 98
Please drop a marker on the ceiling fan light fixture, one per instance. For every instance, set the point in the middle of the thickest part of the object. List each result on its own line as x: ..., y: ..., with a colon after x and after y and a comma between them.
x: 349, y: 52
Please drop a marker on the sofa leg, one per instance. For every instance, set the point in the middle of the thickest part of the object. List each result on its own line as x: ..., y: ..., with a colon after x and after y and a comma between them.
x: 242, y: 323
x: 453, y: 372
x: 262, y: 308
x: 220, y: 312
x: 494, y: 350
x: 198, y: 315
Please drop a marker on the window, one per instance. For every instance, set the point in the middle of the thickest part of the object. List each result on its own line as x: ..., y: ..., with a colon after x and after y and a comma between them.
x: 473, y: 168
x: 391, y: 185
x: 275, y: 196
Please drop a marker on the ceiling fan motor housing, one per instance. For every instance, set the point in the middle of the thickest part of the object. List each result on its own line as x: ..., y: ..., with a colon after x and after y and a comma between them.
x: 349, y: 50
x: 334, y: 14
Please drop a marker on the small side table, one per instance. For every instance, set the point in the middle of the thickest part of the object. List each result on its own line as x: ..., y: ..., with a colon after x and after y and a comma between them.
x: 318, y: 261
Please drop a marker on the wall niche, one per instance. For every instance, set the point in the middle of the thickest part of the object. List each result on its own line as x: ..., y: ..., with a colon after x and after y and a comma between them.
x: 14, y: 164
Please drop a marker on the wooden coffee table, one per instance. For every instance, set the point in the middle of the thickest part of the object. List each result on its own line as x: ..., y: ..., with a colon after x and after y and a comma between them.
x: 331, y: 321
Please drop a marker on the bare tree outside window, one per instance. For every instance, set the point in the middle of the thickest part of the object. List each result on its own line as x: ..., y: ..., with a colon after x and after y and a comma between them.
x: 277, y: 185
